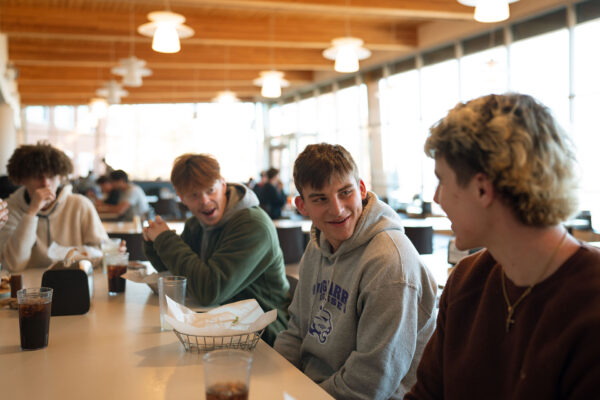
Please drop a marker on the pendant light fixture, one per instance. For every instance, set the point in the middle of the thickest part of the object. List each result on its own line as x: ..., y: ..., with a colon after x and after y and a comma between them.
x: 132, y: 68
x: 98, y: 107
x: 166, y: 29
x: 346, y: 51
x: 489, y: 10
x: 112, y: 91
x: 271, y: 81
x: 226, y: 96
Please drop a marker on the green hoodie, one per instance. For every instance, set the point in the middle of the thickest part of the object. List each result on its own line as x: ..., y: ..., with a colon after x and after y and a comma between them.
x: 237, y: 259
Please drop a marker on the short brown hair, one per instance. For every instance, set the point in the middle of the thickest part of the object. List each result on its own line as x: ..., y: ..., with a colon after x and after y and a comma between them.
x: 194, y: 170
x: 318, y: 163
x: 37, y: 160
x: 517, y: 143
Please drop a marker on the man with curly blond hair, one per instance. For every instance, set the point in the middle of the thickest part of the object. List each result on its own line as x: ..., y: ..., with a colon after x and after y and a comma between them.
x: 44, y: 209
x: 519, y: 319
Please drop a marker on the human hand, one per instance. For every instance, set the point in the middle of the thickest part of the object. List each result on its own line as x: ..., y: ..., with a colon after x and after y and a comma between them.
x: 3, y: 213
x: 41, y: 199
x: 154, y: 229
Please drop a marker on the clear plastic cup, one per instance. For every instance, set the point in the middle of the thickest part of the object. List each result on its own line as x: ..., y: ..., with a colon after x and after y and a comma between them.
x: 109, y: 246
x: 35, y: 305
x: 174, y: 287
x: 116, y: 265
x: 227, y: 374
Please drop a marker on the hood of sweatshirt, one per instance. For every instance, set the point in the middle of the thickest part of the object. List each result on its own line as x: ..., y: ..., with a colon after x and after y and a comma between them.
x: 375, y: 218
x: 239, y: 197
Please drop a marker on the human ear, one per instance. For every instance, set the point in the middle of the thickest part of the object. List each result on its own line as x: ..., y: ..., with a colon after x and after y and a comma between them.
x: 300, y: 205
x: 485, y: 189
x: 363, y: 189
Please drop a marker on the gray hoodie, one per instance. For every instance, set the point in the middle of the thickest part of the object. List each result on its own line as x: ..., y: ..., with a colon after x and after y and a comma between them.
x: 361, y: 316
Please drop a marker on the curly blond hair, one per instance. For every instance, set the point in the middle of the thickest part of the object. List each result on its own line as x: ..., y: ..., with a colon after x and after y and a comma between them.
x: 518, y: 144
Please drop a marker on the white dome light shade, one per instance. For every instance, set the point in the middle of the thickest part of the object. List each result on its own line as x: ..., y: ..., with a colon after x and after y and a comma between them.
x: 271, y: 82
x: 98, y: 107
x: 166, y: 29
x: 346, y: 52
x: 489, y: 10
x: 132, y: 70
x: 226, y: 97
x: 113, y: 92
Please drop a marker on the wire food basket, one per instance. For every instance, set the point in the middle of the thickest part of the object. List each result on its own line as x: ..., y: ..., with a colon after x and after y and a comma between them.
x: 246, y: 341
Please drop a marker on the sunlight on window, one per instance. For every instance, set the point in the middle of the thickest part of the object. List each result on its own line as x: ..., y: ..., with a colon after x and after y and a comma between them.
x: 540, y: 67
x: 586, y: 101
x: 402, y: 141
x: 483, y: 73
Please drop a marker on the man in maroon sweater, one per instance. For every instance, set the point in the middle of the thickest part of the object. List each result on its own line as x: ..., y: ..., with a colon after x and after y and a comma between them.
x: 521, y: 318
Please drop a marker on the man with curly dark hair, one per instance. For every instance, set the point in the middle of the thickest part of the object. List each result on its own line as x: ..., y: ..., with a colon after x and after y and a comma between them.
x: 44, y: 209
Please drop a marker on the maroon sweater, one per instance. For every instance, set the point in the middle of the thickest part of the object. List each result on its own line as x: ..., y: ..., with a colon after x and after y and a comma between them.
x: 552, y: 351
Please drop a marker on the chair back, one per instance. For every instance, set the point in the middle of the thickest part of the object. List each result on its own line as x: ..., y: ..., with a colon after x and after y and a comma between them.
x: 421, y: 237
x: 135, y: 244
x: 291, y: 241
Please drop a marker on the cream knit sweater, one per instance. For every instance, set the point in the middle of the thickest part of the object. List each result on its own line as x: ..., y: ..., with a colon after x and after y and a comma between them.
x: 24, y: 240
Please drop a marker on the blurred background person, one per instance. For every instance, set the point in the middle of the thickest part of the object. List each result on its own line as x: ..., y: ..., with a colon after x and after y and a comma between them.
x: 132, y: 199
x: 109, y: 194
x: 271, y: 195
x: 44, y: 209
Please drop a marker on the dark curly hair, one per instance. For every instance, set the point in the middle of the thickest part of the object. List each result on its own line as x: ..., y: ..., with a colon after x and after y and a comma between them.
x: 34, y: 161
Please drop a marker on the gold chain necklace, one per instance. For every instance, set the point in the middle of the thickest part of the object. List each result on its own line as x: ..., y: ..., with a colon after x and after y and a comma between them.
x: 511, y: 307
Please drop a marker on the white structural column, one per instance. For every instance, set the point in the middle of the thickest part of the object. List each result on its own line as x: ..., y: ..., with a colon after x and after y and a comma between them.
x: 378, y: 177
x: 8, y: 136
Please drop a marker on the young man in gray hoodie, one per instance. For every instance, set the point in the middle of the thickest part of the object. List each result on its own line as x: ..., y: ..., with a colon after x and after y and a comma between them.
x: 364, y: 307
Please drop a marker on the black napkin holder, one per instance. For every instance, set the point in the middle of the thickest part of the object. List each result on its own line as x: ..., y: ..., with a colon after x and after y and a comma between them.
x: 73, y: 287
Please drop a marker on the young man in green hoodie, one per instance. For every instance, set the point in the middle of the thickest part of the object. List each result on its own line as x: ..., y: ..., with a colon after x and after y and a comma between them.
x: 228, y: 250
x: 364, y: 307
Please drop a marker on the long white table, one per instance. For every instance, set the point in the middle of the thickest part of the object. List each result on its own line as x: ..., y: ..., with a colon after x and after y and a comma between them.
x: 117, y: 351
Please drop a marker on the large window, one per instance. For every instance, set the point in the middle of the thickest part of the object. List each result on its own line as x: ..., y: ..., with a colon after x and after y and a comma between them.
x: 585, y: 105
x: 145, y: 139
x: 401, y: 134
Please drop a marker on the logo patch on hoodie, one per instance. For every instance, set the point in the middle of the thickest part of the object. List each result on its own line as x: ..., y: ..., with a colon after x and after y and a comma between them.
x: 331, y: 292
x: 321, y: 325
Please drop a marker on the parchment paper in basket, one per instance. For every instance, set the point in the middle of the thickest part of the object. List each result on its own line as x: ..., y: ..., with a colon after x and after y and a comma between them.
x: 142, y: 276
x: 237, y: 318
x: 56, y: 252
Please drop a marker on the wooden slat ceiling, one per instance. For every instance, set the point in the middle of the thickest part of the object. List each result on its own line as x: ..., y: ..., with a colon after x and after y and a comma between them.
x: 64, y: 49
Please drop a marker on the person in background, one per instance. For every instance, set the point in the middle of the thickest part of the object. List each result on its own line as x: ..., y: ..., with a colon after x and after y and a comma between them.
x: 44, y: 209
x: 228, y: 250
x: 110, y: 195
x: 271, y: 197
x: 521, y: 318
x: 364, y: 307
x: 3, y: 213
x: 132, y: 199
x: 258, y: 187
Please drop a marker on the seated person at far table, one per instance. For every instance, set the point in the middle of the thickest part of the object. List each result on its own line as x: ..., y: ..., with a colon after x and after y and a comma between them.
x: 520, y: 319
x: 132, y: 199
x: 110, y: 195
x: 364, y: 307
x: 228, y: 250
x: 44, y: 209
